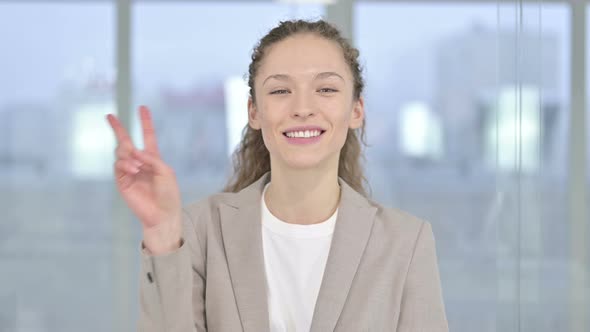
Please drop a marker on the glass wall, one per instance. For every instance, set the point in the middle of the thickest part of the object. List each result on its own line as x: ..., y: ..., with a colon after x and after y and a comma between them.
x: 56, y: 192
x: 468, y: 105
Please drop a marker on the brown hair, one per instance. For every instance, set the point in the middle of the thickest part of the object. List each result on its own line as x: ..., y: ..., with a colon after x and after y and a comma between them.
x: 251, y: 159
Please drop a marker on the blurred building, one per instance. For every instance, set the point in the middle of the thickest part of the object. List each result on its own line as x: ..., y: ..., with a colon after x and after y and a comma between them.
x: 473, y: 68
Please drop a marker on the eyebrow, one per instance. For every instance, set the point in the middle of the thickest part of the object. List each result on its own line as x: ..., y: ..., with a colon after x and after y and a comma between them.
x: 285, y: 77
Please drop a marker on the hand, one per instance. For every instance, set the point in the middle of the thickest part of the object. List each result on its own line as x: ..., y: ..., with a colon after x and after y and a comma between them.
x: 148, y: 186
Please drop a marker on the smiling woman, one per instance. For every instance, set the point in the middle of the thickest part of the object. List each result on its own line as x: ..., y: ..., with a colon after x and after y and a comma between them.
x: 299, y: 75
x: 309, y: 70
x: 293, y: 243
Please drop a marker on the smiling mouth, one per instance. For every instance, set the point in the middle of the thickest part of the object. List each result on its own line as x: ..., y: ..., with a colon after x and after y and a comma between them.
x: 304, y: 134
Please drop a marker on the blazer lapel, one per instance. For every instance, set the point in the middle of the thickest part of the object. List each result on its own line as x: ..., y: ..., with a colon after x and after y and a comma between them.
x: 351, y: 233
x: 242, y: 239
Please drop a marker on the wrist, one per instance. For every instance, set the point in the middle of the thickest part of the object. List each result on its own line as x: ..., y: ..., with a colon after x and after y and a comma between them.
x: 162, y: 240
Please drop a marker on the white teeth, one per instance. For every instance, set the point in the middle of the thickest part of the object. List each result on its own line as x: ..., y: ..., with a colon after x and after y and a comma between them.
x: 304, y: 134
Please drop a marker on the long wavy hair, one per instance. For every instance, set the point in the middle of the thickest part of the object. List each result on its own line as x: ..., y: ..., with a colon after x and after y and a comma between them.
x: 251, y: 159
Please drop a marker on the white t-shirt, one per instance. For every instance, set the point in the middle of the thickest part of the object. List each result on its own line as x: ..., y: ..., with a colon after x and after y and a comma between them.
x: 294, y: 257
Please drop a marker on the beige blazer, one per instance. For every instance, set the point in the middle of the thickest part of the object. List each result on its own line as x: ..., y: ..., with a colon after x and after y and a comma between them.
x: 381, y: 273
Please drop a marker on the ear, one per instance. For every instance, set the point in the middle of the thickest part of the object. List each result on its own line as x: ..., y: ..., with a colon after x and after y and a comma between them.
x: 357, y: 116
x: 253, y: 115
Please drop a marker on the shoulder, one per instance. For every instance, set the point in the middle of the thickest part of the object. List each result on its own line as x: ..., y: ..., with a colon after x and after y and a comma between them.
x: 395, y: 223
x: 397, y: 231
x: 396, y: 216
x: 200, y: 216
x: 389, y: 222
x: 207, y: 208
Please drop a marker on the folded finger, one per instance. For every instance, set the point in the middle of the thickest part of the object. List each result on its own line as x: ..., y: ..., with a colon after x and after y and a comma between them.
x: 127, y: 166
x: 158, y: 166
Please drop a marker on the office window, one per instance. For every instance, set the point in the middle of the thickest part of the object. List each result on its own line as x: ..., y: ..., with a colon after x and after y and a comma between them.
x: 56, y: 190
x: 467, y: 107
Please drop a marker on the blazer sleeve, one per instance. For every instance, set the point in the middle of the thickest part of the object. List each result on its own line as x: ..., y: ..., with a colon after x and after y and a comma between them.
x: 172, y: 286
x: 422, y: 306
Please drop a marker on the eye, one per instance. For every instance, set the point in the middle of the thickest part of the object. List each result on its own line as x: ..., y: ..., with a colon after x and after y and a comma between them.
x: 279, y: 92
x: 328, y: 90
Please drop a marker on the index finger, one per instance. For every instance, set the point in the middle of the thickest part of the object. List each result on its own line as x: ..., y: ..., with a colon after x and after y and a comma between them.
x: 149, y: 134
x: 120, y: 132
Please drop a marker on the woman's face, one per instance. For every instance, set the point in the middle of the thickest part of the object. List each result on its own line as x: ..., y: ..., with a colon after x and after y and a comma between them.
x: 304, y: 83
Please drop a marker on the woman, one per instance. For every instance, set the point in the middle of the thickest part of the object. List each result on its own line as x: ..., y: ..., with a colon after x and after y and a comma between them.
x: 293, y: 244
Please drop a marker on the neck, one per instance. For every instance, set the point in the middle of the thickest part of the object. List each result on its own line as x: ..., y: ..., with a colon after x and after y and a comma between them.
x: 303, y: 197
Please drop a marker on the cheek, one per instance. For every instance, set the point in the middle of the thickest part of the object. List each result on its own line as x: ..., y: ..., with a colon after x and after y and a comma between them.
x: 269, y: 123
x: 344, y: 123
x: 340, y: 116
x: 270, y: 119
x: 340, y: 120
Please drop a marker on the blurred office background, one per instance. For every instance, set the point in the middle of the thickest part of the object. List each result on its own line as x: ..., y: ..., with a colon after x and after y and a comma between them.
x: 477, y: 117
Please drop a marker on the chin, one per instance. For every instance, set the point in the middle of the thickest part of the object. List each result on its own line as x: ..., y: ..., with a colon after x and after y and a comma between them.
x: 303, y: 163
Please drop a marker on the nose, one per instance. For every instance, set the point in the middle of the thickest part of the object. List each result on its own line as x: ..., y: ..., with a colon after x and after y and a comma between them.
x: 303, y: 106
